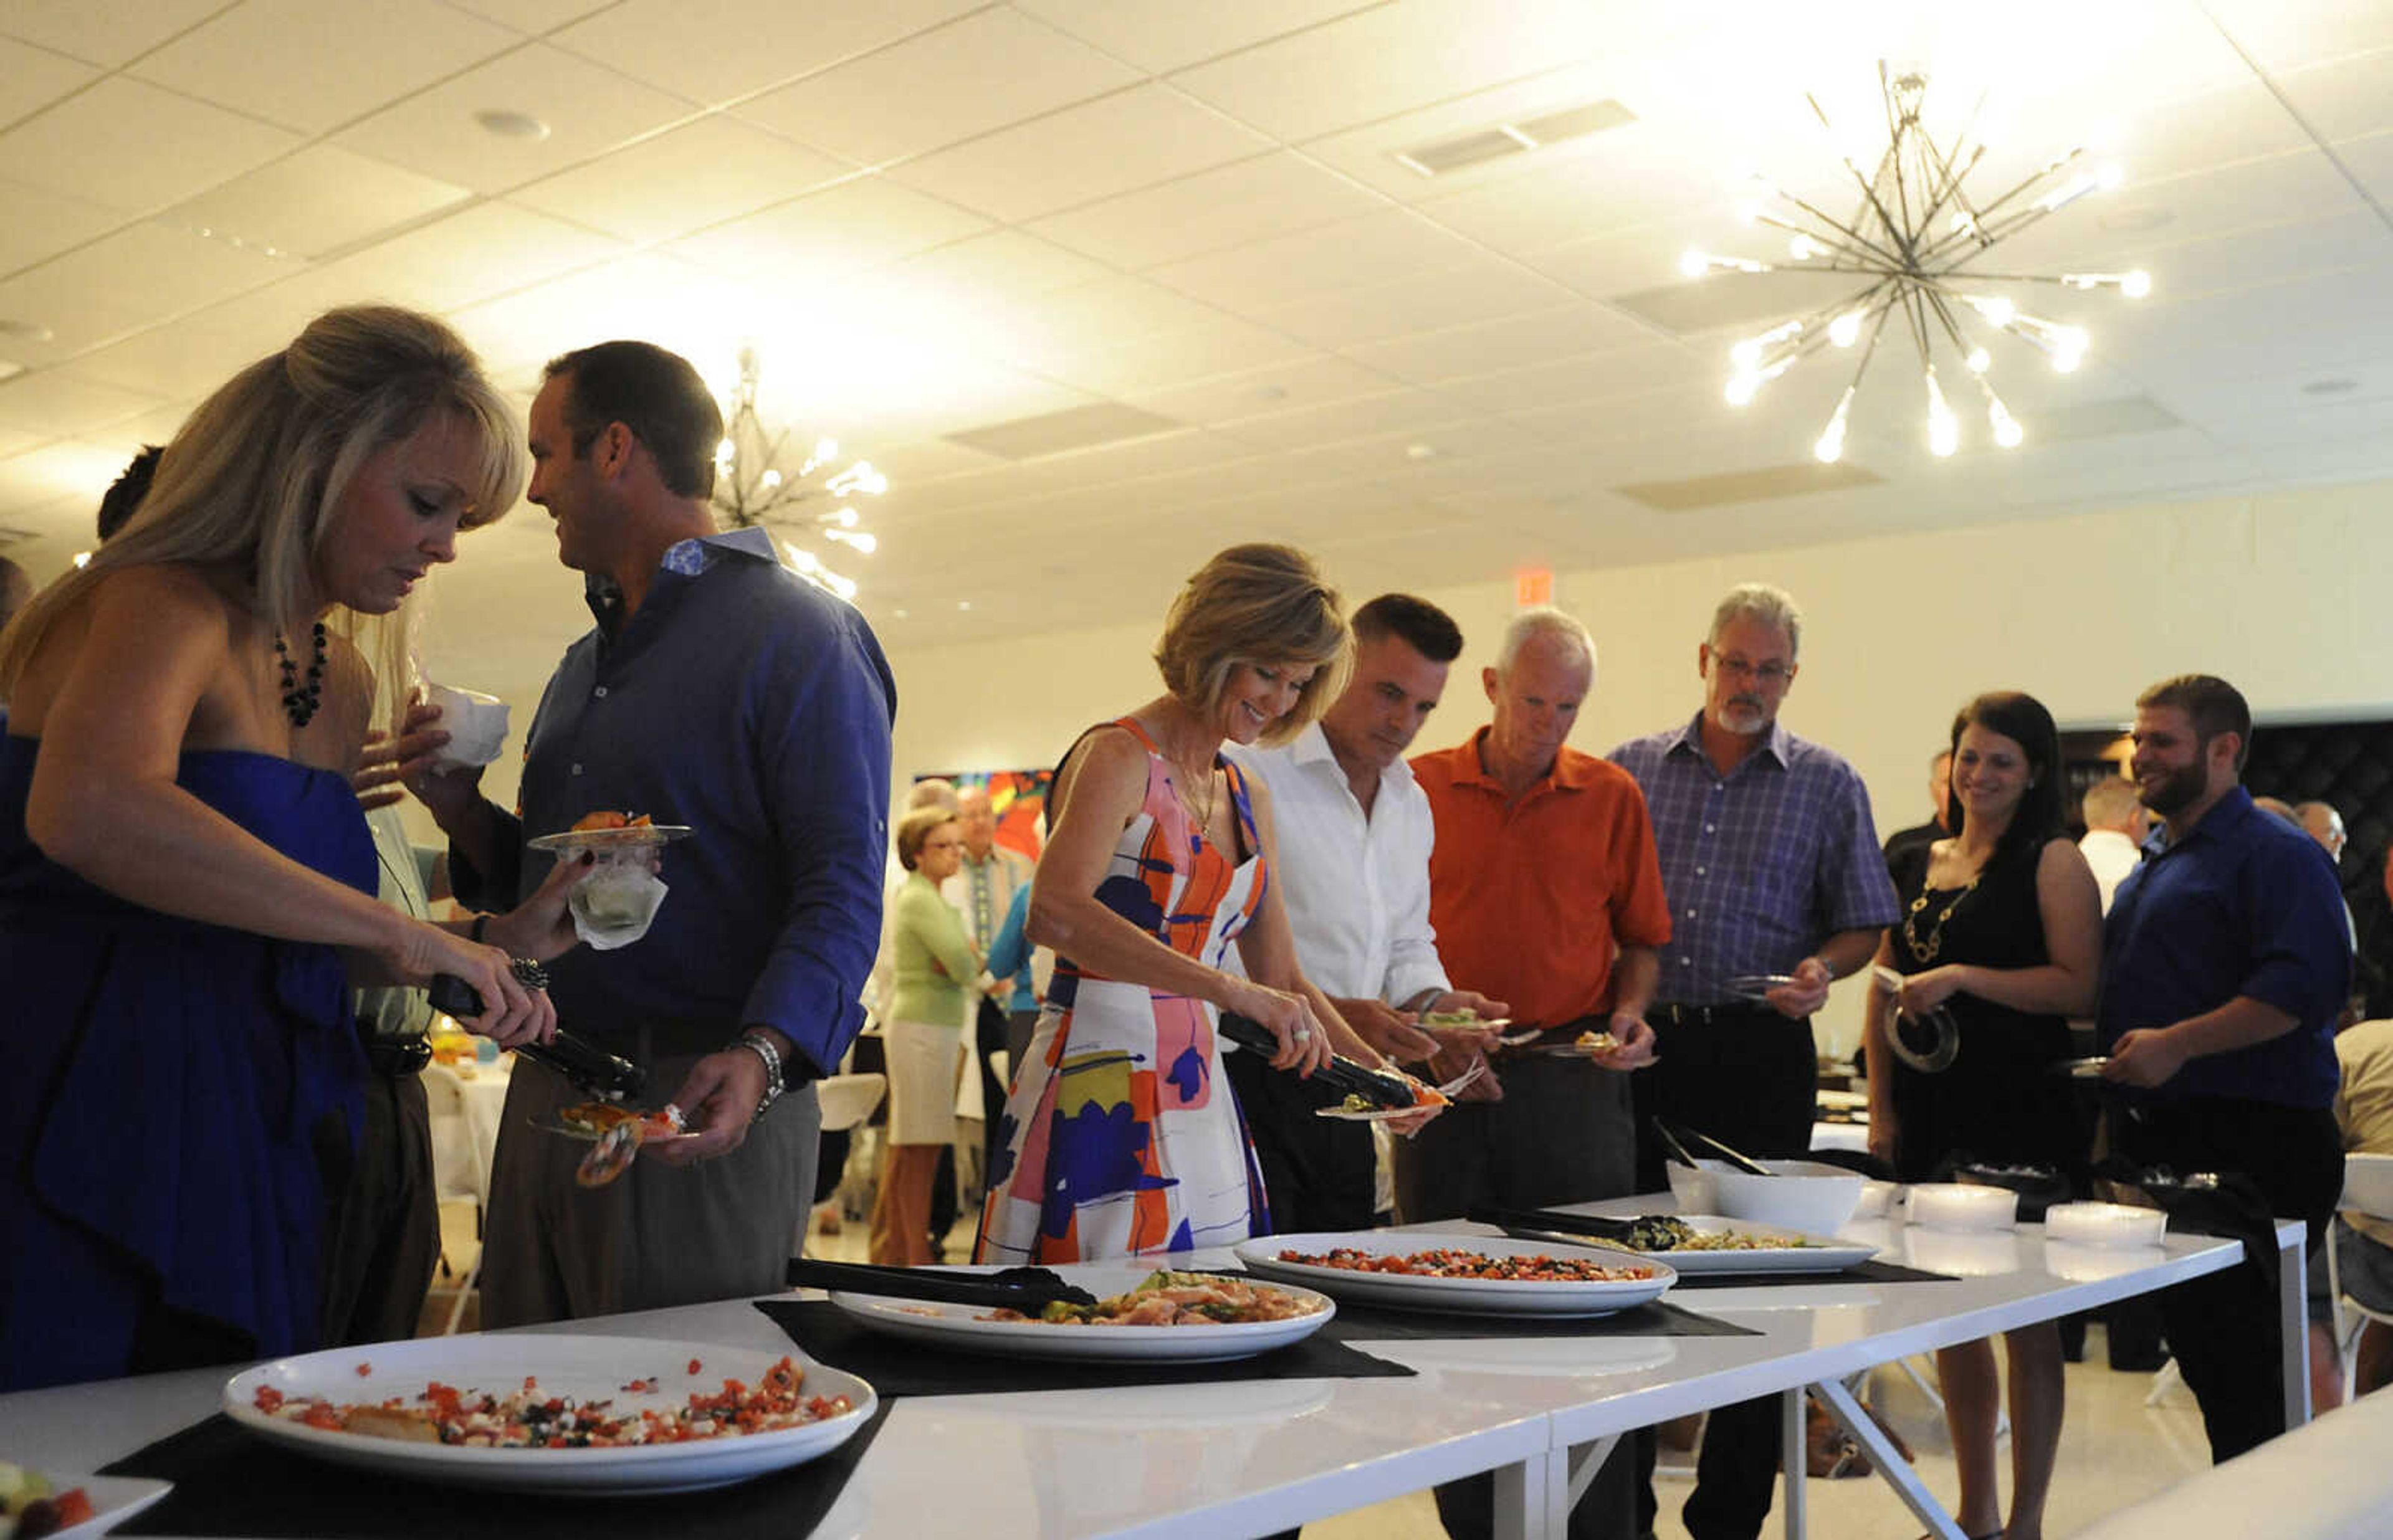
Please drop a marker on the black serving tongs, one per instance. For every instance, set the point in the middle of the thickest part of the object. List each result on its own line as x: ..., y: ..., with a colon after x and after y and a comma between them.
x: 1023, y: 1288
x: 1540, y: 1223
x: 1676, y: 1137
x: 595, y: 1072
x: 1342, y: 1076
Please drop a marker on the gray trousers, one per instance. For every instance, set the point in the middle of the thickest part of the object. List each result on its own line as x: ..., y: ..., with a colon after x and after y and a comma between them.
x: 658, y: 1235
x: 387, y: 1226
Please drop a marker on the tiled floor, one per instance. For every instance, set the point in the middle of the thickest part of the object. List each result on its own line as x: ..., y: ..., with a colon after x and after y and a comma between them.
x: 2114, y: 1450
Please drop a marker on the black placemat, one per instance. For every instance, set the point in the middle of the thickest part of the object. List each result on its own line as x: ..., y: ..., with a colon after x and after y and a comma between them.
x: 1872, y: 1272
x: 230, y: 1481
x: 895, y: 1367
x: 1373, y: 1322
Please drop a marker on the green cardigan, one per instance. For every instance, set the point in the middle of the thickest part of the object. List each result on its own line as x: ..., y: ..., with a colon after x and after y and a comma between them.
x: 935, y: 967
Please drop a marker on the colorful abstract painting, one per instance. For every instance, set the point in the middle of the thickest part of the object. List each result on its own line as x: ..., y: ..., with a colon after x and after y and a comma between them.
x: 1019, y: 799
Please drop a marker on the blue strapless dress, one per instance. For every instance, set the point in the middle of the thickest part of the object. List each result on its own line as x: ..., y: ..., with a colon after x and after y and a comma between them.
x: 177, y: 1099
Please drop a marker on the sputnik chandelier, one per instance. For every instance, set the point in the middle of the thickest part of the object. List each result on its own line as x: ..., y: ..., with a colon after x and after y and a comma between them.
x: 1915, y: 243
x: 750, y: 488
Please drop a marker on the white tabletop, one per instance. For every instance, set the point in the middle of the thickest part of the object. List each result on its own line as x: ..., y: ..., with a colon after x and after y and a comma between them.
x: 1264, y: 1455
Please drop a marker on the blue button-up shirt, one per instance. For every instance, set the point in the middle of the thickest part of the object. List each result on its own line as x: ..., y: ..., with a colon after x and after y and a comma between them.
x: 756, y: 708
x: 2244, y: 904
x: 1761, y: 865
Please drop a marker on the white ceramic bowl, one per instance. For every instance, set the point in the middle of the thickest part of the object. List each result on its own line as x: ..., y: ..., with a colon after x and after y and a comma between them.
x: 1961, y: 1206
x: 1877, y: 1200
x: 2104, y: 1224
x: 1804, y: 1196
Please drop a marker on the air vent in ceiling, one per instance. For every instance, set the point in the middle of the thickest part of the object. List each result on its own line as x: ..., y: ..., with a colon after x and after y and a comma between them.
x: 1752, y: 485
x: 1460, y: 152
x: 1054, y: 432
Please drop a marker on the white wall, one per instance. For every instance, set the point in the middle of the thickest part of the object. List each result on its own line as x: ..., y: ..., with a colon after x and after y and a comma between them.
x: 2271, y: 592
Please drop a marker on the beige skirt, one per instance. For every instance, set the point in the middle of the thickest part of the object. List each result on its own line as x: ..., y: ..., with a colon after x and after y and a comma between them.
x: 924, y: 1061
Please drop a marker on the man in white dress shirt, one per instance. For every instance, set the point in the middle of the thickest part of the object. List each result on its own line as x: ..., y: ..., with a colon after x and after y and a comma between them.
x: 1353, y: 834
x: 2117, y: 822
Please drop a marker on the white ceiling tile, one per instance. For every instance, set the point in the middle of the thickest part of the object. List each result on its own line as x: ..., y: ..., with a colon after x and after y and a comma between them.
x: 1089, y: 319
x: 1223, y: 346
x: 2348, y: 97
x: 716, y: 51
x: 318, y: 201
x: 2313, y: 423
x: 1543, y: 336
x: 929, y: 460
x: 1364, y: 417
x: 2285, y: 37
x: 1617, y: 372
x: 588, y: 110
x: 2371, y: 160
x: 1395, y: 58
x: 104, y: 34
x: 310, y: 66
x: 989, y: 70
x: 860, y: 224
x: 534, y: 17
x: 200, y: 351
x: 31, y: 78
x: 1486, y: 288
x: 476, y: 253
x: 1168, y: 34
x: 1190, y: 449
x: 140, y: 275
x: 648, y: 295
x: 1227, y: 206
x: 1308, y: 383
x: 105, y: 145
x: 967, y: 288
x: 1097, y: 149
x: 1265, y: 275
x: 42, y: 223
x: 1626, y: 176
x: 2199, y: 133
x: 681, y: 181
x: 69, y: 469
x: 55, y: 404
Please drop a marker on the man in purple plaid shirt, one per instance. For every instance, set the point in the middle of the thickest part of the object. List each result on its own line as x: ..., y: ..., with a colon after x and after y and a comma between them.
x: 1777, y: 889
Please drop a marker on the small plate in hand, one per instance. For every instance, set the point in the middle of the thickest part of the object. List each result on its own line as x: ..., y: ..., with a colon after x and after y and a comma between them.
x: 2082, y: 1069
x: 631, y: 837
x: 1757, y: 986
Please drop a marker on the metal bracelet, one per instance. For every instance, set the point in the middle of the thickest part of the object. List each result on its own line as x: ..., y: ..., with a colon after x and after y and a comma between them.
x: 530, y: 974
x: 762, y: 1046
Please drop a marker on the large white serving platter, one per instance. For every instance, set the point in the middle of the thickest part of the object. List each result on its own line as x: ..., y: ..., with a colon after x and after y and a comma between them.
x: 586, y: 1368
x: 1458, y: 1295
x: 1817, y: 1254
x: 961, y: 1326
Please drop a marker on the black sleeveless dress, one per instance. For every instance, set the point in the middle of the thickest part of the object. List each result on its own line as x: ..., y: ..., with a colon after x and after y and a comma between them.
x: 2000, y: 1103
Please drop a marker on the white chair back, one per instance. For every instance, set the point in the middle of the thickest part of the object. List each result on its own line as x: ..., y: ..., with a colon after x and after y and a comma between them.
x: 2368, y: 1185
x: 848, y: 1099
x: 456, y: 1161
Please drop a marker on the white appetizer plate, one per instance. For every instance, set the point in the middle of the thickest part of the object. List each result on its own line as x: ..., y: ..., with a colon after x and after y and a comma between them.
x: 962, y: 1326
x: 1461, y: 1296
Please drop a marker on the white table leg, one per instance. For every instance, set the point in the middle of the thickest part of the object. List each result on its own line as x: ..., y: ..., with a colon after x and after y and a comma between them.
x: 1886, y: 1458
x: 2294, y: 1312
x: 1533, y: 1497
x: 1794, y: 1459
x: 1586, y: 1460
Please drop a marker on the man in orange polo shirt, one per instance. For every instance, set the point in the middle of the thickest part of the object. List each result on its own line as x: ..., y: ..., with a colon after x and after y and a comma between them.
x: 1544, y: 891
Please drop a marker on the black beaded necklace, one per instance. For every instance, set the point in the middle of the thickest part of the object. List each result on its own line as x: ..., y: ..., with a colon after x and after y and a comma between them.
x: 300, y: 701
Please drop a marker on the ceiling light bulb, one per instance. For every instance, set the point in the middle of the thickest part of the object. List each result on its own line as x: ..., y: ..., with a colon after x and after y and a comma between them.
x: 1846, y: 329
x: 1741, y: 387
x: 826, y: 449
x: 2008, y: 433
x: 725, y: 452
x: 1803, y: 248
x: 2136, y: 284
x: 1831, y: 447
x: 769, y: 479
x: 865, y: 542
x: 1746, y: 354
x: 1978, y: 360
x: 1695, y: 263
x: 2112, y: 174
x: 1998, y: 310
x: 1943, y: 428
x: 847, y: 517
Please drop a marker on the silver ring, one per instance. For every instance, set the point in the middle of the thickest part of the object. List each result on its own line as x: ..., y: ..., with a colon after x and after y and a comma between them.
x: 1303, y: 1033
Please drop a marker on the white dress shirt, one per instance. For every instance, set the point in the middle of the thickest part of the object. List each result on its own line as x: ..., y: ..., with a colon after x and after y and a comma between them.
x: 2113, y: 856
x: 1356, y: 887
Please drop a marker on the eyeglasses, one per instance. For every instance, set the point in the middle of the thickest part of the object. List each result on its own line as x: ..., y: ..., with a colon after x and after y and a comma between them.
x: 1772, y: 675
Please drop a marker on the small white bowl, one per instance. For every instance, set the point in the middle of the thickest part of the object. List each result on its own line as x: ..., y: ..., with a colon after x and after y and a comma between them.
x: 1877, y: 1200
x: 1692, y: 1188
x: 2104, y: 1224
x: 1961, y: 1206
x: 1805, y: 1196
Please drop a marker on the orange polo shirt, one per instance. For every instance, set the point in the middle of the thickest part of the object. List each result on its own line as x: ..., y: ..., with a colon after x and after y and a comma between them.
x: 1532, y: 899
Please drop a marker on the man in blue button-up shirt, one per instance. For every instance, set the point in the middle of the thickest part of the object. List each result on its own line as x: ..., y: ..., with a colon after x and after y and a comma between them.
x: 2225, y: 964
x: 721, y: 691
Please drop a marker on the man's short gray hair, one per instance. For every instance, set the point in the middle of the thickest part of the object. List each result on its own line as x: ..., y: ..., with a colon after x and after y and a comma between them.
x: 932, y: 791
x: 1763, y: 602
x: 2108, y: 802
x: 1544, y: 620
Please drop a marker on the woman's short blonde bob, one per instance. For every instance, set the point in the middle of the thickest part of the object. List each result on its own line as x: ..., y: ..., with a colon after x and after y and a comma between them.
x: 1262, y: 604
x: 915, y: 829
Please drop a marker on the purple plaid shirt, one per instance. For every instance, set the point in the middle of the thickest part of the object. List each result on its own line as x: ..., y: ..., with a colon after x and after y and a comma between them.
x: 1761, y: 865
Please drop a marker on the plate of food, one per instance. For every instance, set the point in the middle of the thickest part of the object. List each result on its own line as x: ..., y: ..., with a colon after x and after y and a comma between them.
x: 1587, y: 1044
x: 1460, y: 1275
x: 1462, y: 1021
x: 542, y: 1412
x: 1140, y: 1313
x: 591, y: 1120
x: 611, y: 831
x: 1358, y: 1108
x: 35, y: 1504
x: 1707, y: 1243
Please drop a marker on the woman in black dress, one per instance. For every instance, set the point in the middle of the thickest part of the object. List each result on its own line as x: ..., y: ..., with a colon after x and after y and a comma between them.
x: 2005, y: 933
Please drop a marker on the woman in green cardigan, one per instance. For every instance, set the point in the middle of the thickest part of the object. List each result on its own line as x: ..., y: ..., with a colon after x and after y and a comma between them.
x: 922, y: 1034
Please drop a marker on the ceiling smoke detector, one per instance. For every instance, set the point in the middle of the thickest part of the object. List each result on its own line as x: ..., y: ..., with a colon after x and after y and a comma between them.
x: 509, y: 125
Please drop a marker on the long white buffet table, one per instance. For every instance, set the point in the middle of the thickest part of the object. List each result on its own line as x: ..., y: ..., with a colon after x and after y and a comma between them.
x: 1256, y: 1457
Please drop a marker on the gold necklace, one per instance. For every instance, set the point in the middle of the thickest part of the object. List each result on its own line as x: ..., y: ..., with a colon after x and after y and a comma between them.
x: 1925, y: 951
x: 1213, y: 797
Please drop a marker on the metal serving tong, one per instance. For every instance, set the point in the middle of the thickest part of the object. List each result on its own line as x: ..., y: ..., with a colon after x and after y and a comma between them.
x: 593, y: 1071
x: 1676, y: 1137
x: 1340, y: 1075
x: 1027, y: 1289
x: 1553, y: 1224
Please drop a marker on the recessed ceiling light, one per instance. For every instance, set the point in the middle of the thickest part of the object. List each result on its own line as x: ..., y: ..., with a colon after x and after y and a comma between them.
x: 509, y: 125
x: 963, y: 604
x: 2134, y: 218
x: 1421, y: 452
x: 30, y: 331
x: 899, y: 613
x: 2330, y: 388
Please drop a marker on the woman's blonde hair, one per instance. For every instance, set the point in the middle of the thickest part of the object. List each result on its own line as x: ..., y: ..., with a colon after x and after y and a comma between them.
x: 915, y: 830
x: 251, y: 479
x: 1264, y: 605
